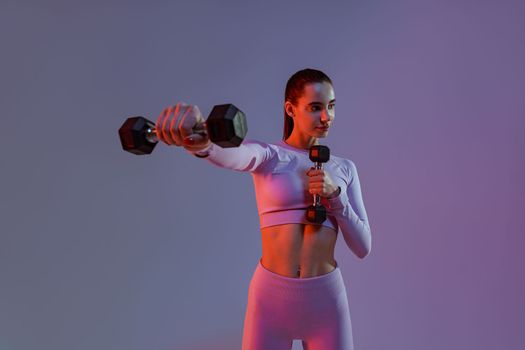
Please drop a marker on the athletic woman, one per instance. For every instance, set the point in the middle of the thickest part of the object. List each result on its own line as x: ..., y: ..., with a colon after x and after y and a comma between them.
x: 297, y: 290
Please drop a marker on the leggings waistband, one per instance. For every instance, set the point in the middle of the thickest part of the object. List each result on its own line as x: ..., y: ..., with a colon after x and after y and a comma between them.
x: 329, y: 284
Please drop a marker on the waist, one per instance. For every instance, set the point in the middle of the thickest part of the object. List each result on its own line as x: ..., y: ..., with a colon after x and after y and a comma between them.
x: 321, y: 286
x: 293, y: 268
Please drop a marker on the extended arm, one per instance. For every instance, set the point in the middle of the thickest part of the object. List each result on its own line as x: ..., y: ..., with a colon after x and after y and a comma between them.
x: 249, y: 156
x: 349, y: 210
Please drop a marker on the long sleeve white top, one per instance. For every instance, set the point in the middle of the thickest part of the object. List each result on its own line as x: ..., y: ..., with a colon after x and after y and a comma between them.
x: 281, y: 188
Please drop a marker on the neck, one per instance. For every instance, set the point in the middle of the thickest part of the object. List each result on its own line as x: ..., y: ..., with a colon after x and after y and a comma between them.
x: 302, y: 143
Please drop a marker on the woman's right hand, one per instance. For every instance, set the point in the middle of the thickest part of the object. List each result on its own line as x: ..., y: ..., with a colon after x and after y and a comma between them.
x: 183, y: 125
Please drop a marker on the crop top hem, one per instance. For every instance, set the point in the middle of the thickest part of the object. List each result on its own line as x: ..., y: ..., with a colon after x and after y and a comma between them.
x: 293, y: 216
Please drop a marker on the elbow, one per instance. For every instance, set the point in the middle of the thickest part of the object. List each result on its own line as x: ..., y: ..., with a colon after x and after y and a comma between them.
x: 359, y: 242
x: 364, y: 254
x: 366, y: 248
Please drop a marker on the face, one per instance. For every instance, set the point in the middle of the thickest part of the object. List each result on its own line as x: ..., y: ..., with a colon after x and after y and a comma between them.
x: 314, y: 109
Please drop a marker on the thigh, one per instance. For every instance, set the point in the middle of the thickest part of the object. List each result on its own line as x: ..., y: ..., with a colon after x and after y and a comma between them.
x: 260, y: 331
x: 335, y: 330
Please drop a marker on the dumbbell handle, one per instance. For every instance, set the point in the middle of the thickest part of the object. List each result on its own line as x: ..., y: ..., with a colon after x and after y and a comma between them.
x: 317, y: 198
x: 151, y: 132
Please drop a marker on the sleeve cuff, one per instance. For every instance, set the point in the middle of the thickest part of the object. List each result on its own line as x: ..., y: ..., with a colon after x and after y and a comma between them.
x: 338, y: 202
x: 203, y: 153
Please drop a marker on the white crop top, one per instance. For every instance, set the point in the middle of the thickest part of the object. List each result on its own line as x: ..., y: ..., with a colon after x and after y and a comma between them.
x: 281, y: 187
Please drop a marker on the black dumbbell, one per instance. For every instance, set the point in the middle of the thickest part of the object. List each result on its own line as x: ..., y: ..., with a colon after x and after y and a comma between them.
x: 316, y: 213
x: 226, y: 126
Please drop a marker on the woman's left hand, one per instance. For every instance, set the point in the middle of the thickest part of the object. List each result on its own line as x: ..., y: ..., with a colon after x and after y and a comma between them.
x: 321, y: 183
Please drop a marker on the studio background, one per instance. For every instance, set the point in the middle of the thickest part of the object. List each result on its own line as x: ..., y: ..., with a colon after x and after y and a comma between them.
x: 102, y: 249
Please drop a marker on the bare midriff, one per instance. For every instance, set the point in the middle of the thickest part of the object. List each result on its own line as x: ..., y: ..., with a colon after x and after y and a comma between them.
x: 298, y: 250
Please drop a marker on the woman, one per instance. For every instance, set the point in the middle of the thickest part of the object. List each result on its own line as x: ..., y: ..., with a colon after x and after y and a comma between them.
x: 297, y: 290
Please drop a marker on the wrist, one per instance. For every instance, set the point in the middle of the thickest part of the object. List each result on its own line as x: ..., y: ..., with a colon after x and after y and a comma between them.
x: 335, y: 193
x: 339, y: 202
x: 202, y: 151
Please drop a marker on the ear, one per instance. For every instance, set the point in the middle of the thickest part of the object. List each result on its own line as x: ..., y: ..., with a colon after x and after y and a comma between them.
x: 289, y: 108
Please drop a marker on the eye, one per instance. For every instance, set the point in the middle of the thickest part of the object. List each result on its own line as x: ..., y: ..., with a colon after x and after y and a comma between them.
x: 331, y: 106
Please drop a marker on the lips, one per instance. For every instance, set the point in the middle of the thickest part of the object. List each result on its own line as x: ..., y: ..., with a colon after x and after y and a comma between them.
x: 323, y: 128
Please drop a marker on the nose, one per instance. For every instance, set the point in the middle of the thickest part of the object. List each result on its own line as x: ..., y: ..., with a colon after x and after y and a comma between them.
x: 325, y: 116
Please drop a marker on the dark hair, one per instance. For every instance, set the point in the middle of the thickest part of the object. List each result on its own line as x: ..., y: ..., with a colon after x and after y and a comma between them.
x: 294, y: 90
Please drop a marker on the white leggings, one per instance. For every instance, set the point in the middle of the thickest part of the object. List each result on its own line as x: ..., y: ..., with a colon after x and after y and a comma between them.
x: 281, y: 309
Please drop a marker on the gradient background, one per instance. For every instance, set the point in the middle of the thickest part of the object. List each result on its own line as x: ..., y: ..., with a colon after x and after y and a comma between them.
x: 102, y: 249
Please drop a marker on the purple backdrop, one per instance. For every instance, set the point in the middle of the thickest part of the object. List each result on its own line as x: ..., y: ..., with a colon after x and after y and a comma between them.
x: 101, y: 249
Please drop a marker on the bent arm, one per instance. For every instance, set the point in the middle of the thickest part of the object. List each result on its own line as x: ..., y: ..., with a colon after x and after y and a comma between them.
x: 251, y: 155
x: 349, y: 210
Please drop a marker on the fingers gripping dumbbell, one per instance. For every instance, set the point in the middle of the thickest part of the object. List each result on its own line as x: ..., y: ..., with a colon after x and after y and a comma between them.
x: 316, y: 213
x: 226, y: 126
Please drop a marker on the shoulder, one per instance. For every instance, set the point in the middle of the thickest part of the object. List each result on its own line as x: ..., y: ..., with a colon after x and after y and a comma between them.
x: 344, y: 163
x: 347, y: 166
x: 261, y: 146
x: 282, y: 153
